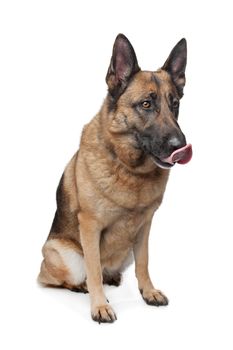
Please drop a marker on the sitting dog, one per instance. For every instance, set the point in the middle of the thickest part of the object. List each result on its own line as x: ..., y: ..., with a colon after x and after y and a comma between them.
x: 112, y: 186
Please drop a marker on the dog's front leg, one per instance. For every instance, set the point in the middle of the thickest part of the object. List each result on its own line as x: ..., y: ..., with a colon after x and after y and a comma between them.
x: 151, y: 295
x: 90, y: 230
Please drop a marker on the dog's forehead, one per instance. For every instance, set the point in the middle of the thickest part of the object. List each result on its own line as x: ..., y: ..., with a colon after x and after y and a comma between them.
x: 162, y: 76
x: 145, y: 80
x: 148, y: 81
x: 165, y: 82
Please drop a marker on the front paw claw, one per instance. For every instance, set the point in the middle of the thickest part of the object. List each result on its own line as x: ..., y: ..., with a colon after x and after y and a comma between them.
x: 155, y: 297
x: 103, y: 314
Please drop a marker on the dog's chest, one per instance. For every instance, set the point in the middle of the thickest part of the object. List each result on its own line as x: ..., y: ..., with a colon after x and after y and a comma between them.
x: 132, y: 192
x: 122, y: 234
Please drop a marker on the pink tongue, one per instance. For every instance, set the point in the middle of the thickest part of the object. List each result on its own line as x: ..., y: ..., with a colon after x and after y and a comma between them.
x: 181, y: 155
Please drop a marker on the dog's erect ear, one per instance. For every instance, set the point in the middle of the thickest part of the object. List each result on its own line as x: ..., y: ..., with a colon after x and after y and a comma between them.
x: 176, y: 63
x: 122, y: 67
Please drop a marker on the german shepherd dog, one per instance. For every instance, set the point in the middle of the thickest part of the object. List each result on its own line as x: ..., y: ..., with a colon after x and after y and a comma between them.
x: 112, y: 186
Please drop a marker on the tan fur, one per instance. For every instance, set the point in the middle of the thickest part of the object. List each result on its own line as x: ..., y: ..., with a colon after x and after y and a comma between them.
x: 106, y: 201
x: 105, y: 194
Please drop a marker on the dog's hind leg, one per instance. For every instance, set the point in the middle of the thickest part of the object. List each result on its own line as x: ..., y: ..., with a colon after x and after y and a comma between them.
x: 63, y: 266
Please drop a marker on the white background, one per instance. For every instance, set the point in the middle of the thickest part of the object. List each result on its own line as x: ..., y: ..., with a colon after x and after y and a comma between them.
x: 53, y: 59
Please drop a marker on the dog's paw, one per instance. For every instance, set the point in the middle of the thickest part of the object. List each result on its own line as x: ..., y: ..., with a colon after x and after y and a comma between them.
x: 154, y: 297
x: 103, y: 314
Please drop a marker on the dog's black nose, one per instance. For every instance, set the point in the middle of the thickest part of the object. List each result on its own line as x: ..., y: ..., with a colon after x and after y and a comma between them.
x: 176, y: 142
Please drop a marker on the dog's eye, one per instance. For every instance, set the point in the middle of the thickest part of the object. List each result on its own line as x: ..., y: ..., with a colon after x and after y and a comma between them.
x: 175, y: 104
x: 146, y: 104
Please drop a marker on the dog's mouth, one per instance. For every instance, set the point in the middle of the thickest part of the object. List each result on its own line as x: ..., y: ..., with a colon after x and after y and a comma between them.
x: 181, y: 156
x: 160, y: 163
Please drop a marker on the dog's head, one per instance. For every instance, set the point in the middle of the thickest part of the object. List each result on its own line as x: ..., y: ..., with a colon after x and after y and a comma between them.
x: 144, y: 105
